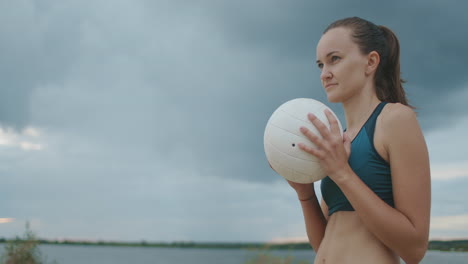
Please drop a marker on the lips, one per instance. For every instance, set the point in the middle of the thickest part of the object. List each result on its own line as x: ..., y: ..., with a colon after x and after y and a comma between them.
x: 330, y: 85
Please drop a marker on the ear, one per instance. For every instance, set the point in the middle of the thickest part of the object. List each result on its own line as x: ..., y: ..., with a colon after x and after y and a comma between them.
x: 373, y: 61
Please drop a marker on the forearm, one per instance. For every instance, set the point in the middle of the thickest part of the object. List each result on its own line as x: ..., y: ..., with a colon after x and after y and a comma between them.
x: 315, y: 221
x: 388, y: 224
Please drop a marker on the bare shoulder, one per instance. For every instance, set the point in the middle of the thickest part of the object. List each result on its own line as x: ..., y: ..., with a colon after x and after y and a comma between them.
x: 395, y: 114
x: 398, y: 124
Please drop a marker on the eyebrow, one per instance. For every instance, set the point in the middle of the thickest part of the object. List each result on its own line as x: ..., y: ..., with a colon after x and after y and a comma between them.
x: 329, y: 53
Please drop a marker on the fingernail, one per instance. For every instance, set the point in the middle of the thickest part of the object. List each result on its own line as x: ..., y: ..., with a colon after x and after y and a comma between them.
x: 303, y: 129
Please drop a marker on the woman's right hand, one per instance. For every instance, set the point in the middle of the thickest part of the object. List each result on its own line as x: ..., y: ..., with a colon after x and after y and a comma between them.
x: 305, y: 191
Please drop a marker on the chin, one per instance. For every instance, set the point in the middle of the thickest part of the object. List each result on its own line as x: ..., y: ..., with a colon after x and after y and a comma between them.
x: 334, y: 98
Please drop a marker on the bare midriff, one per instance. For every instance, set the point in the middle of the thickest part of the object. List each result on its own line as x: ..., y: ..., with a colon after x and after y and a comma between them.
x: 347, y: 240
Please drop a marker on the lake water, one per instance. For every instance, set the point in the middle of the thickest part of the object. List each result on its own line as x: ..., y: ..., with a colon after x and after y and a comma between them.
x: 66, y: 254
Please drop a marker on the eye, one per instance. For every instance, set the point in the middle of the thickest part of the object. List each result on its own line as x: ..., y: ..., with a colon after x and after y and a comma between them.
x: 320, y: 65
x: 334, y: 58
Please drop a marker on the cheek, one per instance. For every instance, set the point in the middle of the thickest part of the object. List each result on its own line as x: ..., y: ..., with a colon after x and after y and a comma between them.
x: 355, y: 75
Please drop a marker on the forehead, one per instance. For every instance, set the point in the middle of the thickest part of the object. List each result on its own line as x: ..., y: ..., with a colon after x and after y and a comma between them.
x: 336, y: 39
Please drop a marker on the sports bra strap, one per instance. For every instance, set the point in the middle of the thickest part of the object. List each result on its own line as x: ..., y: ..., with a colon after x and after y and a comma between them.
x: 370, y: 124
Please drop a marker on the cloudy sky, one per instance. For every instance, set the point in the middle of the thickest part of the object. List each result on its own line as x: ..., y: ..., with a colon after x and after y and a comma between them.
x: 144, y: 120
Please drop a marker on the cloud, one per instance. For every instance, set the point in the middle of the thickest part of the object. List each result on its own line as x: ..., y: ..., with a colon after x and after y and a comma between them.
x: 204, y: 72
x: 449, y: 227
x: 448, y: 147
x: 131, y: 111
x: 42, y: 53
x: 449, y: 171
x: 6, y: 220
x: 25, y: 140
x: 450, y: 222
x: 448, y: 197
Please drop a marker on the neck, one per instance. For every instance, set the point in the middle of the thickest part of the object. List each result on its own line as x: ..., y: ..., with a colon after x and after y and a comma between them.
x: 358, y: 109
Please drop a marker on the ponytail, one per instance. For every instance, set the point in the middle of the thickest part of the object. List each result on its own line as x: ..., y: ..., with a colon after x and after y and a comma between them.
x: 370, y: 37
x: 389, y: 85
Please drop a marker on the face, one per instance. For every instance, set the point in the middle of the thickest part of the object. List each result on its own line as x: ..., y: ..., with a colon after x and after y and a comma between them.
x: 342, y: 65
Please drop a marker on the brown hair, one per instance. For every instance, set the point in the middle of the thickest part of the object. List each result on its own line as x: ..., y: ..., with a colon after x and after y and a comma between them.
x: 370, y: 37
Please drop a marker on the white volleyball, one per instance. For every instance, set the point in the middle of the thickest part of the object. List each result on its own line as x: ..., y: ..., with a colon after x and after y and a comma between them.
x: 282, y: 136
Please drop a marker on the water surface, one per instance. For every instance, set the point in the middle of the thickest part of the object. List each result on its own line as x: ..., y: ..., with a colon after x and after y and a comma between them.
x: 72, y: 254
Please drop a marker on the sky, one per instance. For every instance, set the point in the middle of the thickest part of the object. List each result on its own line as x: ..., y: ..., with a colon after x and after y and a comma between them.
x: 140, y: 120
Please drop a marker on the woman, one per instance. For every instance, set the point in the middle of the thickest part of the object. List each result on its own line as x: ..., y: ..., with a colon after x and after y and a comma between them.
x: 376, y: 198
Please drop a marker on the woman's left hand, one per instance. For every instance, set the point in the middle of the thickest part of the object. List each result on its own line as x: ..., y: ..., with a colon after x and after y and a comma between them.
x: 332, y: 150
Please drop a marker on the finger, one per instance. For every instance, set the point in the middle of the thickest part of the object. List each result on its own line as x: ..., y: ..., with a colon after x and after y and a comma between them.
x: 347, y: 143
x: 315, y: 152
x: 313, y: 137
x: 321, y: 127
x: 334, y: 127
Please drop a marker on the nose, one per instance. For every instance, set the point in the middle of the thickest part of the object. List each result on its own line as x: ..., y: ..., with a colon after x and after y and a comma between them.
x: 325, y: 74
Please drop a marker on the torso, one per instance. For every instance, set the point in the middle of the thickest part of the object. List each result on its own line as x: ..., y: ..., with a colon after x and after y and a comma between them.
x: 346, y: 238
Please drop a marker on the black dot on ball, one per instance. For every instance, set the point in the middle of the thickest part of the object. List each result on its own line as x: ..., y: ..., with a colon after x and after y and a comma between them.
x: 293, y: 144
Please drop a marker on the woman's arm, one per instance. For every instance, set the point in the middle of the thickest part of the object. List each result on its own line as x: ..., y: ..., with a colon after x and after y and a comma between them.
x: 314, y: 219
x: 315, y: 222
x: 405, y: 228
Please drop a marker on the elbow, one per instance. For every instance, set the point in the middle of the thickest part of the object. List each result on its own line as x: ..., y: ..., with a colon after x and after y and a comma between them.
x: 415, y: 248
x: 415, y: 254
x: 315, y: 244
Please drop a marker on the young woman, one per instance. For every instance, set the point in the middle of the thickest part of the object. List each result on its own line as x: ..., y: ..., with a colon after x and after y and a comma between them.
x: 376, y: 198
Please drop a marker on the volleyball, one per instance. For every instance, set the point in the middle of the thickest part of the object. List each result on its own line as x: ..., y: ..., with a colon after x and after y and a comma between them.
x: 282, y: 136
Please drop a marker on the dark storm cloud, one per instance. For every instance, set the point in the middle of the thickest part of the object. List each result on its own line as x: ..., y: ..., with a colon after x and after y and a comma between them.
x: 202, y: 76
x: 432, y: 37
x: 432, y: 50
x: 157, y: 89
x: 151, y: 113
x: 38, y: 43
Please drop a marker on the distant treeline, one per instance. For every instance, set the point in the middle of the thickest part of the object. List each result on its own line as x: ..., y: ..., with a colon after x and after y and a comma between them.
x: 453, y: 245
x: 182, y: 244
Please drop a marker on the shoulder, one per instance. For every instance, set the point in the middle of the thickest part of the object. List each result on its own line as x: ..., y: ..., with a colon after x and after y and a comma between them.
x: 398, y: 123
x: 397, y: 118
x: 399, y: 127
x: 396, y: 113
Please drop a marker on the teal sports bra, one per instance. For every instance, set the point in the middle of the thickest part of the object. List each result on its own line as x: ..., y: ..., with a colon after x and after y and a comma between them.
x: 373, y: 170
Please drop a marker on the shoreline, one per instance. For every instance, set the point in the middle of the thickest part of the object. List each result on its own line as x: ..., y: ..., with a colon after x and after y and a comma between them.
x: 434, y: 245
